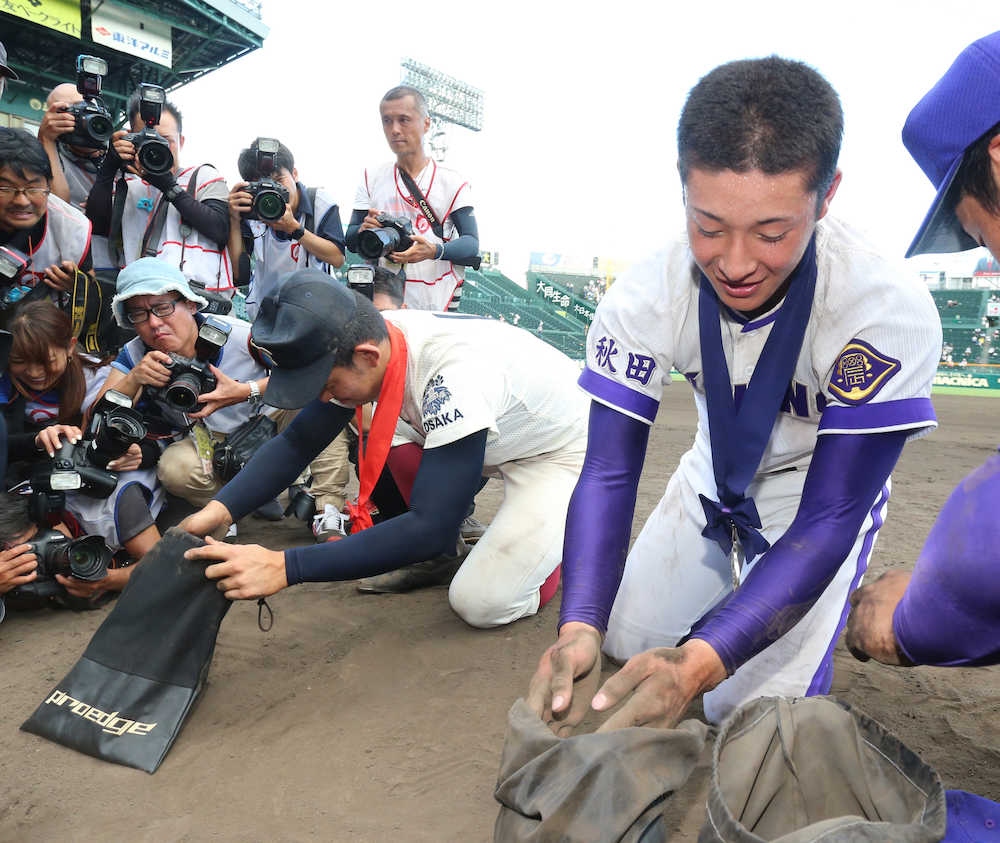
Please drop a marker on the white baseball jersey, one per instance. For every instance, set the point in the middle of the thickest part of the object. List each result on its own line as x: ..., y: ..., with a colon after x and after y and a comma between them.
x: 67, y: 236
x: 275, y: 258
x: 867, y: 360
x: 430, y: 284
x: 185, y: 247
x: 465, y: 374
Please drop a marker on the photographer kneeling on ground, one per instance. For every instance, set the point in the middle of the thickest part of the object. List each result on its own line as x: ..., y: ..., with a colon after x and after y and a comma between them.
x: 482, y: 394
x: 225, y: 380
x: 45, y: 393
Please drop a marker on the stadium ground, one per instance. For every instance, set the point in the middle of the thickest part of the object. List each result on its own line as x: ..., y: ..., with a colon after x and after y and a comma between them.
x: 382, y: 717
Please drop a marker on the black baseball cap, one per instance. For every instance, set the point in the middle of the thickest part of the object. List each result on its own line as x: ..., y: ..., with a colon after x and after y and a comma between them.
x: 4, y: 69
x: 295, y: 333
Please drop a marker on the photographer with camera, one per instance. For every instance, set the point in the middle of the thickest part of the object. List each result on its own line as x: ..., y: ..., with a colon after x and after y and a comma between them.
x: 149, y: 206
x: 277, y: 224
x: 414, y: 212
x: 46, y: 565
x: 191, y: 376
x: 75, y: 132
x: 42, y: 238
x: 47, y: 390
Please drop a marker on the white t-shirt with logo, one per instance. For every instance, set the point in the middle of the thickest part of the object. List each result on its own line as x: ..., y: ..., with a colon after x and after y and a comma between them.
x: 465, y: 374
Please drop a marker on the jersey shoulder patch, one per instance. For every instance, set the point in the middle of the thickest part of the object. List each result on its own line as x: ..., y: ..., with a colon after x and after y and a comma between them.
x: 436, y: 395
x: 860, y: 372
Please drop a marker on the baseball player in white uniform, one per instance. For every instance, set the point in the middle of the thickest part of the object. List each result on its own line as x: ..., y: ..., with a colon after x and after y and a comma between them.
x: 483, y: 395
x: 435, y: 262
x: 811, y: 360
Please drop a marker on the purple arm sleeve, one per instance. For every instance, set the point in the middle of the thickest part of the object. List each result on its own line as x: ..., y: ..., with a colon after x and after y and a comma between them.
x: 847, y: 473
x: 599, y: 521
x: 950, y: 612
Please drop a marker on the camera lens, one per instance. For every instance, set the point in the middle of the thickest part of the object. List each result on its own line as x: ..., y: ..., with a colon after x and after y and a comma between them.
x: 114, y: 437
x: 269, y: 205
x: 88, y: 558
x: 155, y: 157
x: 376, y: 243
x: 99, y: 128
x: 183, y: 392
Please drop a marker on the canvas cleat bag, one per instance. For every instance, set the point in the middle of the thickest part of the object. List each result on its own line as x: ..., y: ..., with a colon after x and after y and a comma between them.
x: 127, y: 697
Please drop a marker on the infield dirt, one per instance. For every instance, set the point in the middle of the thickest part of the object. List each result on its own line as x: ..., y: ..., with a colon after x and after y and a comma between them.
x: 377, y: 717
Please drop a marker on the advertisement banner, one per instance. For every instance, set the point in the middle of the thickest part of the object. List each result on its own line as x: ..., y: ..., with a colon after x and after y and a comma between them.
x: 124, y: 29
x: 60, y: 15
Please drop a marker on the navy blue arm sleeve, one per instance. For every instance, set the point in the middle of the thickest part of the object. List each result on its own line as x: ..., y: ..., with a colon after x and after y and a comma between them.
x: 446, y: 482
x: 353, y: 227
x: 599, y: 521
x: 464, y: 249
x: 846, y: 476
x: 950, y: 612
x: 276, y: 465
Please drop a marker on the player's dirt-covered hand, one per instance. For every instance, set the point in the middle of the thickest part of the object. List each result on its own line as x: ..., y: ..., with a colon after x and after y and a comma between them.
x: 662, y: 682
x: 421, y: 250
x: 243, y: 571
x: 50, y: 438
x: 870, y: 634
x: 567, y: 676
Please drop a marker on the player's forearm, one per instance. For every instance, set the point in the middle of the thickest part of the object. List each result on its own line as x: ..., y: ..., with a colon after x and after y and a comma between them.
x: 950, y: 612
x: 845, y: 477
x: 599, y: 520
x: 445, y: 485
x: 276, y: 465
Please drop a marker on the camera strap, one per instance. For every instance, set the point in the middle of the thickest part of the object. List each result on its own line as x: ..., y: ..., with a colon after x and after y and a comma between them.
x: 158, y: 220
x: 422, y: 203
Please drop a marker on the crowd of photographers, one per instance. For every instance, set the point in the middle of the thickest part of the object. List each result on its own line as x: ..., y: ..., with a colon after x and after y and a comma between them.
x: 128, y: 374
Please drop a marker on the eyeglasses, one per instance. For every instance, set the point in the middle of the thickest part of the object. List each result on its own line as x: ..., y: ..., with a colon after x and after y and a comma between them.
x: 162, y: 309
x: 7, y: 192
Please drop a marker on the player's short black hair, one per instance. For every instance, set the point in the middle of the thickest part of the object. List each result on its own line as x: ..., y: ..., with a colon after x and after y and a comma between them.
x: 390, y: 284
x: 401, y: 91
x: 132, y: 109
x: 14, y: 520
x: 247, y: 163
x: 771, y: 114
x: 366, y: 325
x: 23, y: 153
x: 975, y: 174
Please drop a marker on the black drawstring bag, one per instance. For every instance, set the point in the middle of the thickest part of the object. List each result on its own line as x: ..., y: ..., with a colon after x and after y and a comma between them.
x: 127, y: 697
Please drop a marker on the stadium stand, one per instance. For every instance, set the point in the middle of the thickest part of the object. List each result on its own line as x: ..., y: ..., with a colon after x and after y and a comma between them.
x: 968, y: 338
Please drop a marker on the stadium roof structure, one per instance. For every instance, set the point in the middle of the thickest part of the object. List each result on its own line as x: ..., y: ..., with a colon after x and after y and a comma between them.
x: 43, y: 38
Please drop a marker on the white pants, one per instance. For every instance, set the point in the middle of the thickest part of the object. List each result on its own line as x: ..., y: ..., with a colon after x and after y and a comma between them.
x: 674, y: 575
x: 499, y: 580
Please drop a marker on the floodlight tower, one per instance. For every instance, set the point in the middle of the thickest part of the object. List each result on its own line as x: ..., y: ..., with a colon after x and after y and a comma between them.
x: 449, y: 101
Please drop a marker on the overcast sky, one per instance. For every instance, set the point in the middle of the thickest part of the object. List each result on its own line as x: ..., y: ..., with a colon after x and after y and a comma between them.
x: 577, y: 153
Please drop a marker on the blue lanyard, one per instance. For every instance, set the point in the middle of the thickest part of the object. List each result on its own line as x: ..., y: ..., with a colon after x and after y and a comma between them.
x: 740, y: 436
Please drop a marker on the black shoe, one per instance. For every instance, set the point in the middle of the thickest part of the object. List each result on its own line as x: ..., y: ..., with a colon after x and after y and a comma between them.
x: 271, y: 511
x: 437, y: 571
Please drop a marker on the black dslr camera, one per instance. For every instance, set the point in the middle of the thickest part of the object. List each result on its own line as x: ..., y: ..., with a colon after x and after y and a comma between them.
x: 94, y: 124
x: 394, y: 236
x: 86, y: 558
x: 268, y: 196
x: 113, y: 428
x: 152, y: 150
x: 192, y: 376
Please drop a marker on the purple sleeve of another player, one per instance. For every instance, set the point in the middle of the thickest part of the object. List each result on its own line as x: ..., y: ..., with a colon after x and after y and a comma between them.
x: 599, y: 521
x: 950, y: 613
x: 845, y: 477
